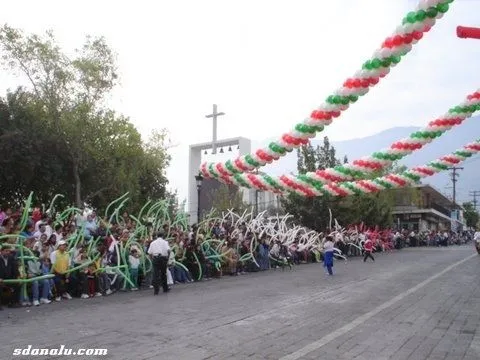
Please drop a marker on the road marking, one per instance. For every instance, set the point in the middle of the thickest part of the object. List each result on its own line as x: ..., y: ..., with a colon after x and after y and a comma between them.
x: 363, y: 318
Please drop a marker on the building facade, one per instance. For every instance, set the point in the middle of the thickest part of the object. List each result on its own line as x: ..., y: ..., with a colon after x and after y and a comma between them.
x: 424, y: 208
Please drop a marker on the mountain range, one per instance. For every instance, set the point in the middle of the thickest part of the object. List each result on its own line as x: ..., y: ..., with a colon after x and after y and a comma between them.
x: 468, y: 179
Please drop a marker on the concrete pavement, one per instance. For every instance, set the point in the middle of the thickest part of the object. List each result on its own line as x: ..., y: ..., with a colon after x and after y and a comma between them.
x: 411, y: 304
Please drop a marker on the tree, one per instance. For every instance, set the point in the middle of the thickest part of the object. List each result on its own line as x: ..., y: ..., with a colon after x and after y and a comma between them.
x: 313, y: 212
x: 152, y: 178
x: 471, y: 215
x: 91, y: 153
x: 371, y: 209
x: 33, y: 158
x: 69, y: 90
x: 227, y: 197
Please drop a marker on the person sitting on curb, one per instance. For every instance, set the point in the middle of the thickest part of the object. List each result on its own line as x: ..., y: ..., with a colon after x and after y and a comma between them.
x: 60, y: 265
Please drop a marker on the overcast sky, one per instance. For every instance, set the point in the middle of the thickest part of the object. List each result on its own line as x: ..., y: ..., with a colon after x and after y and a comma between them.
x: 266, y: 64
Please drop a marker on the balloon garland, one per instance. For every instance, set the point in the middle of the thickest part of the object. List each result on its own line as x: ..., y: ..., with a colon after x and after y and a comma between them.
x: 390, y: 181
x: 363, y: 167
x: 310, y: 187
x: 393, y: 48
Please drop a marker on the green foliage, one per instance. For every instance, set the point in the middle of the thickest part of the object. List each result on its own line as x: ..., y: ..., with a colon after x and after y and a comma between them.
x: 472, y: 218
x: 372, y: 209
x: 60, y: 135
x: 227, y: 197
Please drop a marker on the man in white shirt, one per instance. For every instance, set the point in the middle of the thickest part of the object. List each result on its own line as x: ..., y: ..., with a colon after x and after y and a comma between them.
x: 159, y: 251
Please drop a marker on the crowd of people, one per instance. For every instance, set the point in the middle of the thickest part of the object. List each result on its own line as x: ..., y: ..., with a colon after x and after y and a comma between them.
x: 55, y: 258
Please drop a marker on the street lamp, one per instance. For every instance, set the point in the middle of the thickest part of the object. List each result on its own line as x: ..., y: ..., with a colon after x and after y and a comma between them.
x: 199, y: 180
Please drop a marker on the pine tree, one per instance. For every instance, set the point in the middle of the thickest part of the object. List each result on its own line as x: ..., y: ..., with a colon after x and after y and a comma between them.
x: 372, y: 209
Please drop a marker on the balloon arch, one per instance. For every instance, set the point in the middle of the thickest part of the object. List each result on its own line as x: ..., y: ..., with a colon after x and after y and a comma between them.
x: 350, y: 179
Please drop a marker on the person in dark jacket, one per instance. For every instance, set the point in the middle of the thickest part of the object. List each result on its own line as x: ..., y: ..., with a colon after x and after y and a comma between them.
x: 8, y: 270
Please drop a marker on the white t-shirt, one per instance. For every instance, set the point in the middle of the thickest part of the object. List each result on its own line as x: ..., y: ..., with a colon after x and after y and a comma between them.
x: 476, y: 236
x: 134, y: 262
x: 58, y: 238
x: 38, y: 234
x: 328, y: 246
x: 159, y: 247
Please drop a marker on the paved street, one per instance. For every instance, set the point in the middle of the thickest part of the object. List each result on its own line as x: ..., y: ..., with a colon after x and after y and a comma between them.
x: 411, y: 304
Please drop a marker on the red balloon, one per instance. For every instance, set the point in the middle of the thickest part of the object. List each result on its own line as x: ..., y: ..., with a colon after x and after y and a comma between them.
x: 397, y: 40
x: 221, y: 170
x: 388, y: 43
x: 407, y: 39
x: 417, y: 35
x: 316, y: 115
x: 239, y: 164
x: 468, y: 32
x: 287, y: 138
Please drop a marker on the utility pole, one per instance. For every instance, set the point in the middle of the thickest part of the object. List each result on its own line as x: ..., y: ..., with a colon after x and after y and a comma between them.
x: 475, y: 194
x: 214, y: 115
x: 454, y: 182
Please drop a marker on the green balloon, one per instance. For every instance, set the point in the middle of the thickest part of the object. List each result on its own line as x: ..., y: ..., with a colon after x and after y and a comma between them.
x: 443, y: 7
x: 376, y: 63
x: 421, y: 15
x: 276, y: 148
x: 432, y: 12
x: 395, y: 59
x: 353, y: 98
x: 411, y: 17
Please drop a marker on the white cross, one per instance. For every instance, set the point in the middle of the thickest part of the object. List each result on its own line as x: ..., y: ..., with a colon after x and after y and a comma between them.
x: 214, y: 115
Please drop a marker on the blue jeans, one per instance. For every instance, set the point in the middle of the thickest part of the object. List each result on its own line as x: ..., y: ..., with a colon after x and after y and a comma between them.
x: 45, y: 284
x: 133, y: 277
x: 180, y: 275
x: 329, y: 269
